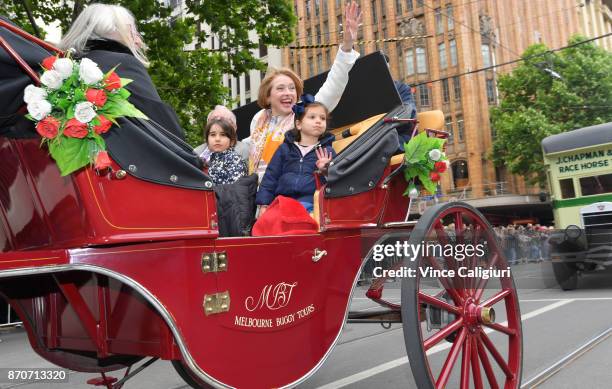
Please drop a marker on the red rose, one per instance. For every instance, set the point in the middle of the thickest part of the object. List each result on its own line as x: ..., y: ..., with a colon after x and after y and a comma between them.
x: 102, y: 160
x: 112, y: 82
x: 435, y: 177
x: 96, y: 97
x: 75, y: 129
x: 104, y: 125
x: 47, y: 128
x: 440, y: 166
x: 48, y: 62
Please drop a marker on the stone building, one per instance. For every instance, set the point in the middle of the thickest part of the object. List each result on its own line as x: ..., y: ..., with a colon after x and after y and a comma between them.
x: 463, y: 36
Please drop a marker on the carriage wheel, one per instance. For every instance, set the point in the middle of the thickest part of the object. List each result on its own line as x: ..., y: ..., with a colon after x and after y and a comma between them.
x: 453, y: 337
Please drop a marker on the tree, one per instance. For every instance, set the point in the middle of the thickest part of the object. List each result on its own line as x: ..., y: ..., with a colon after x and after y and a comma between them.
x: 190, y: 81
x: 547, y: 94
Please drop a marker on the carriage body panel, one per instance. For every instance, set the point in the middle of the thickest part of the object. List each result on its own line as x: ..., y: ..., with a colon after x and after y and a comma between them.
x: 41, y: 209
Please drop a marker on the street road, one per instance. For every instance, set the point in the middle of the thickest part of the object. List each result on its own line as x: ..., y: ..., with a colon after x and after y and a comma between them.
x: 567, y: 343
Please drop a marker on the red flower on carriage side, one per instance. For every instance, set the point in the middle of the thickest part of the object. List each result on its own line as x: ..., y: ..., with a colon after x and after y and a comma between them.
x: 96, y: 97
x: 76, y: 129
x: 112, y: 82
x: 48, y: 62
x: 440, y: 166
x: 104, y: 125
x: 435, y: 177
x: 48, y: 127
x: 102, y: 160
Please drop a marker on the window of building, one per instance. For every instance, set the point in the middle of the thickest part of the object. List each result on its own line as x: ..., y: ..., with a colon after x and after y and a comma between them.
x: 445, y: 91
x: 309, y: 36
x: 419, y: 3
x: 448, y: 127
x: 409, y: 6
x: 237, y: 86
x: 409, y: 62
x: 421, y: 60
x: 247, y: 82
x: 339, y: 23
x: 307, y: 6
x: 338, y: 3
x: 460, y: 128
x: 311, y: 71
x: 449, y: 17
x: 318, y: 34
x: 461, y: 176
x: 595, y: 185
x: 398, y: 7
x: 424, y: 95
x: 317, y: 7
x: 438, y: 19
x: 328, y: 58
x: 457, y: 88
x: 567, y: 188
x: 374, y: 13
x: 442, y: 54
x: 486, y: 55
x: 453, y: 51
x: 491, y: 95
x: 263, y: 50
x: 325, y: 31
x: 320, y: 62
x: 324, y: 7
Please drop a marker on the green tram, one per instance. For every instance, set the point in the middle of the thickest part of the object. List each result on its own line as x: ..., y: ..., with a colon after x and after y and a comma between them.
x: 579, y: 169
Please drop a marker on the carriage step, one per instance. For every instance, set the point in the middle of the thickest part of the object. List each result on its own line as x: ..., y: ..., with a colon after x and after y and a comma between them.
x: 105, y: 380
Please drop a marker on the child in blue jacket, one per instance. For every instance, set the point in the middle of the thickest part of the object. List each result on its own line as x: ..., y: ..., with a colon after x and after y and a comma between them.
x: 305, y: 149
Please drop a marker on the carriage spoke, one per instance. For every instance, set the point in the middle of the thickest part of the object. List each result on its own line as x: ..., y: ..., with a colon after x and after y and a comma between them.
x: 476, y: 365
x: 496, y: 355
x: 473, y: 261
x: 431, y: 300
x: 446, y: 283
x: 451, y: 359
x: 450, y: 261
x: 496, y: 298
x: 486, y: 364
x: 443, y: 333
x: 465, y: 363
x: 502, y: 329
x: 459, y: 228
x: 483, y: 281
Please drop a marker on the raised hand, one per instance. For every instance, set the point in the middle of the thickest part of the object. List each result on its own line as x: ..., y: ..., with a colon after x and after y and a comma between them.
x: 324, y: 157
x: 352, y: 20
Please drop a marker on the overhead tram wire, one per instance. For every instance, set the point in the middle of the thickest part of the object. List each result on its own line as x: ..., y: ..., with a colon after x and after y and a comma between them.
x: 396, y: 39
x: 516, y: 60
x: 322, y: 35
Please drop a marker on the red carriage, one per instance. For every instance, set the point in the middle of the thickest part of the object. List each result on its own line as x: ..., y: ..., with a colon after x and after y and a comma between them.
x: 105, y: 269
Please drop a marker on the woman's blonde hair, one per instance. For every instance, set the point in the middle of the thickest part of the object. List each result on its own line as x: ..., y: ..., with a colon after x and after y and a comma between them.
x: 266, y: 85
x: 104, y: 21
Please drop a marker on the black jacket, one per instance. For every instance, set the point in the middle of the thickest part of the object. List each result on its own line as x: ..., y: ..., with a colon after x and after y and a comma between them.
x: 108, y: 54
x: 236, y: 206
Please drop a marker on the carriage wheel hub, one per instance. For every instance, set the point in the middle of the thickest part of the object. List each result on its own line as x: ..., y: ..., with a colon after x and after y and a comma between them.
x: 475, y: 315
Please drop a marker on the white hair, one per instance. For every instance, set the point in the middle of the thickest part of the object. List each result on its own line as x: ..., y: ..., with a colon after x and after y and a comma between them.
x: 104, y: 21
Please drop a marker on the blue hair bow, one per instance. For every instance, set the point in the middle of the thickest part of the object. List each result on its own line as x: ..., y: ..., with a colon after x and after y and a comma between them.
x: 300, y: 107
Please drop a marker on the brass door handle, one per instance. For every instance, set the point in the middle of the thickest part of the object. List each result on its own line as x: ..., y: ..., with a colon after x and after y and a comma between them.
x: 318, y: 254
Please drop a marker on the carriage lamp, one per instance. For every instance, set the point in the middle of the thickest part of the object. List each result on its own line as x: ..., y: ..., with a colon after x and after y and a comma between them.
x: 572, y: 232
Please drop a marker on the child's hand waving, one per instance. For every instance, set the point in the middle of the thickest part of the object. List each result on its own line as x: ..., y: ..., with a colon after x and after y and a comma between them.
x: 324, y: 157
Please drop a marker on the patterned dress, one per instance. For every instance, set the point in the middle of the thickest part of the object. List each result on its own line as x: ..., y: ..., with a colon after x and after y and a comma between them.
x: 225, y: 167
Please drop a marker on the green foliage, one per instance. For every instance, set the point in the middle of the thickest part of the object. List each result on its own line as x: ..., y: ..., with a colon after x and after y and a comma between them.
x: 535, y: 105
x: 190, y: 81
x: 418, y: 163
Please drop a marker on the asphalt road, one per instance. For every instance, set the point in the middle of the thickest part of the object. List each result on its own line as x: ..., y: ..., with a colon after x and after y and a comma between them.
x: 567, y: 343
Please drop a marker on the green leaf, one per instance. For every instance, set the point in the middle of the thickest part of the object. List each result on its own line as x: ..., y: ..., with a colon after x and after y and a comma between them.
x: 125, y: 81
x: 427, y: 183
x: 416, y: 148
x: 70, y: 154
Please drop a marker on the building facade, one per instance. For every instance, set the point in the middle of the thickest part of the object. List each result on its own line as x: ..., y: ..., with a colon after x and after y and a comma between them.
x: 596, y: 20
x: 463, y: 36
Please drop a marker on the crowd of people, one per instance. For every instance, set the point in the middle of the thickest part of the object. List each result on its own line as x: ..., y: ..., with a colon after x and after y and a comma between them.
x: 523, y: 244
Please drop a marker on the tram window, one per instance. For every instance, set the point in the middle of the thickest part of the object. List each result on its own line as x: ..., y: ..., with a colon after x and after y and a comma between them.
x: 567, y: 188
x: 596, y: 185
